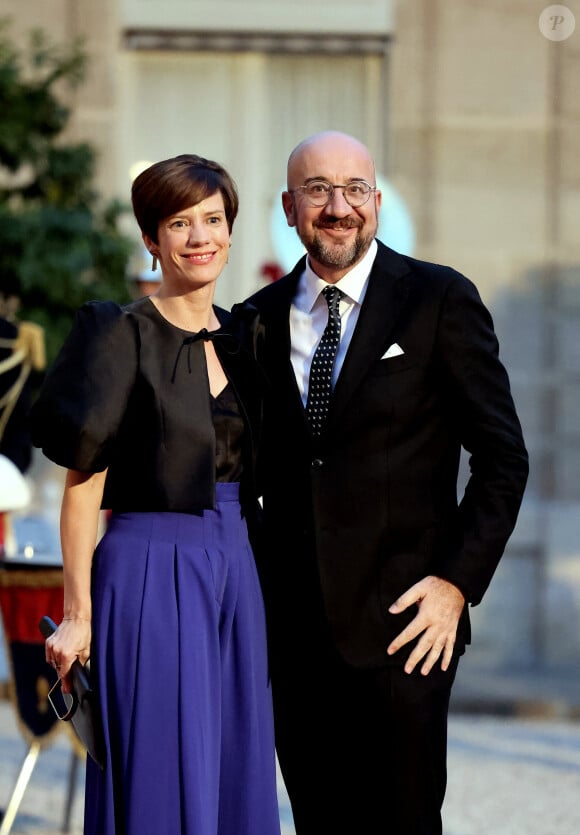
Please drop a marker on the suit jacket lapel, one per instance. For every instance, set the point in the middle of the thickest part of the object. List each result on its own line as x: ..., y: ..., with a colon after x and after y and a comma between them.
x: 385, y: 296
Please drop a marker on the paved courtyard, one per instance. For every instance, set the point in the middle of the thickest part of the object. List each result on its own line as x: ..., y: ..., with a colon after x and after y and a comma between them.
x: 506, y: 777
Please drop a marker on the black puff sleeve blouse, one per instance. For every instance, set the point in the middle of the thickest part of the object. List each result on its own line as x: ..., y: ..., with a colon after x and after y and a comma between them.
x: 129, y: 392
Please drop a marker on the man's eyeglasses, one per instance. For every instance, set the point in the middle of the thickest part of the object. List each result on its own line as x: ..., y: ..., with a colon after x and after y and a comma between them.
x: 319, y: 192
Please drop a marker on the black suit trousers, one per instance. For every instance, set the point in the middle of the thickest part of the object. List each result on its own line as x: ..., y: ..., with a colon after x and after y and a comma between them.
x: 362, y: 752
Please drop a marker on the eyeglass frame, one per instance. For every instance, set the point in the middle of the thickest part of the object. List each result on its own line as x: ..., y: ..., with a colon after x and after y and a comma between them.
x: 333, y: 186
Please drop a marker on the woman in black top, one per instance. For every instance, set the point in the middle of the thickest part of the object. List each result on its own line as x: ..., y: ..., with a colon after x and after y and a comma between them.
x: 154, y: 410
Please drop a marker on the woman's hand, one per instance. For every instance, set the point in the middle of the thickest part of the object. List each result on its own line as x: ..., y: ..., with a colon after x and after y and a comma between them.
x: 71, y: 641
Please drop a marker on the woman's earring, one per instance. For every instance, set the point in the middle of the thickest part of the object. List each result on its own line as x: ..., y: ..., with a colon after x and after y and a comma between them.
x: 154, y: 263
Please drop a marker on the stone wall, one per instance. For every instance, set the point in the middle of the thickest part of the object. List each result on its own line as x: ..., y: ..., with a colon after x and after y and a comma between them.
x: 485, y: 130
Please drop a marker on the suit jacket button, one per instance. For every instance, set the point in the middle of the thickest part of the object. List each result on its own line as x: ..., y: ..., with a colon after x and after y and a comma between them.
x: 317, y: 463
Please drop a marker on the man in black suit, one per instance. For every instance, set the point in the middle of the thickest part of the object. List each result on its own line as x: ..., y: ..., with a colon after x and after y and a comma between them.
x: 370, y: 562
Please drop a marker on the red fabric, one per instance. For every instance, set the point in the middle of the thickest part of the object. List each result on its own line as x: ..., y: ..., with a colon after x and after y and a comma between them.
x: 22, y: 608
x: 272, y: 271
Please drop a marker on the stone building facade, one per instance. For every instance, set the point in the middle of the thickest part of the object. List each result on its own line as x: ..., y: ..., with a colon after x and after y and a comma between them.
x: 472, y: 113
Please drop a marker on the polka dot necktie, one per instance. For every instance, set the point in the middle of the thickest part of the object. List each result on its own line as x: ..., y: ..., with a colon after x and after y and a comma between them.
x: 320, y: 384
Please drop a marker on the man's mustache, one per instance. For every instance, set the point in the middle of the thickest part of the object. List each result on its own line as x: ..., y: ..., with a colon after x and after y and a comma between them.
x: 338, y: 223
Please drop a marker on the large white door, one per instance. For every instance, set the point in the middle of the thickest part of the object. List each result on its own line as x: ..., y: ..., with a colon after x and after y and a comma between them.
x: 247, y: 110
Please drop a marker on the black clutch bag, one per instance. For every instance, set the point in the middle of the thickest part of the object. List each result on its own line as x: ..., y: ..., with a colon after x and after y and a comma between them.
x: 80, y: 706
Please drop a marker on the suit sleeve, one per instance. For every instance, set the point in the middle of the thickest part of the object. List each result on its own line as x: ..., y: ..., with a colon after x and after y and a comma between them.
x: 76, y: 417
x: 491, y: 434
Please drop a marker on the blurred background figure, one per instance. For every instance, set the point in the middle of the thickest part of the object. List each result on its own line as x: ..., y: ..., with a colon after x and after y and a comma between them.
x: 22, y: 353
x: 143, y: 279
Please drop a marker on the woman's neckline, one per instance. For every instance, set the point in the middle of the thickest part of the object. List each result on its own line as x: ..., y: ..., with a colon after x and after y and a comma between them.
x: 176, y: 327
x: 216, y: 397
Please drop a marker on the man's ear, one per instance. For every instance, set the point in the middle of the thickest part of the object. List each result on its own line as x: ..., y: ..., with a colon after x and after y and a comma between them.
x: 288, y: 206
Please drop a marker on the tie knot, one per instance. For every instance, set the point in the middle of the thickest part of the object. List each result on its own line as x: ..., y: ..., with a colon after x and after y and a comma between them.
x: 333, y: 296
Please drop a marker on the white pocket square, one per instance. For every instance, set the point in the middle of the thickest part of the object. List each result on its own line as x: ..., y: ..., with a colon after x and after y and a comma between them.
x: 394, y: 351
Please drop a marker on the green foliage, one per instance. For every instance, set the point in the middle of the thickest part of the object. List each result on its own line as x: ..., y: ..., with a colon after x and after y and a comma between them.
x: 64, y: 245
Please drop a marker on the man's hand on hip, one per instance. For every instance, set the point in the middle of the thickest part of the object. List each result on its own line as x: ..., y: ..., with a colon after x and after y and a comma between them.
x: 440, y: 605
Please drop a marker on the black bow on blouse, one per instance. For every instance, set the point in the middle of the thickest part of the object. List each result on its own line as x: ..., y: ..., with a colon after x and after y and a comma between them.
x: 229, y: 342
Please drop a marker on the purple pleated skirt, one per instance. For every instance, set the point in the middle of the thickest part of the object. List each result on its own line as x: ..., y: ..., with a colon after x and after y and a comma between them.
x: 179, y: 656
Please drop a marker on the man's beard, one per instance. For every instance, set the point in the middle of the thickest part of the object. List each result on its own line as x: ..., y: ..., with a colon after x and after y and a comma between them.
x: 338, y: 255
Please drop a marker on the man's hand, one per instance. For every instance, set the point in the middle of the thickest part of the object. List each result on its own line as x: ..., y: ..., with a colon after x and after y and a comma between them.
x: 440, y: 605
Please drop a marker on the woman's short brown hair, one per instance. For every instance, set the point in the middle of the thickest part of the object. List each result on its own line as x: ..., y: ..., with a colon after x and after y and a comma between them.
x: 169, y: 186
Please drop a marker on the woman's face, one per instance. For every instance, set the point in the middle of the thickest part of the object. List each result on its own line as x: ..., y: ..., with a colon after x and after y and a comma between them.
x: 193, y: 244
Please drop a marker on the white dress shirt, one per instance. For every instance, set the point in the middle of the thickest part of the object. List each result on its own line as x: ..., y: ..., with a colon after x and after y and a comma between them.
x: 309, y: 315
